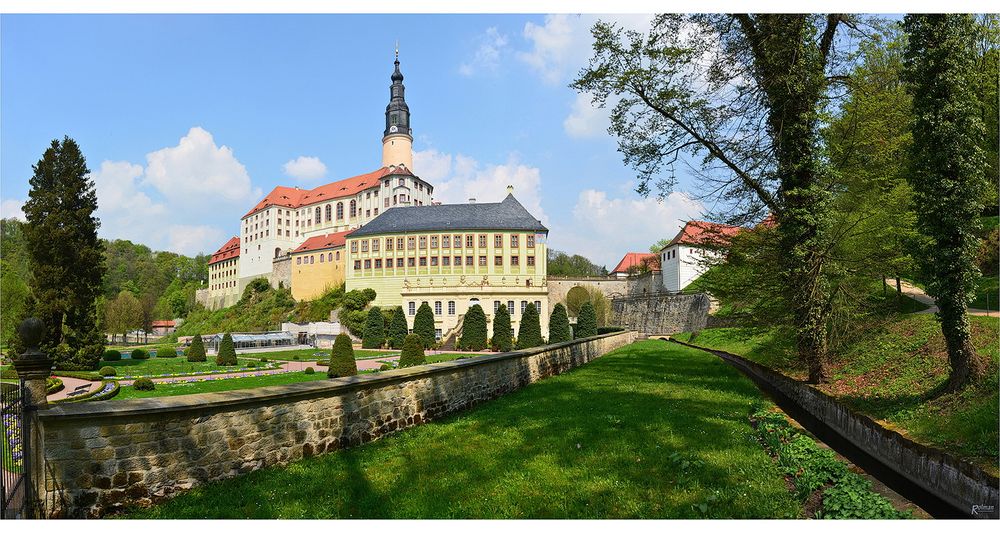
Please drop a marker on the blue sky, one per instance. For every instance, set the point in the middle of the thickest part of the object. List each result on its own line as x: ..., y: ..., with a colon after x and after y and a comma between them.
x: 186, y: 120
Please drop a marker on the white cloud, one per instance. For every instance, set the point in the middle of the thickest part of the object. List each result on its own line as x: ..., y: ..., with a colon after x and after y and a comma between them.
x: 605, y: 228
x: 562, y: 45
x: 456, y: 178
x: 586, y: 119
x: 198, y: 171
x: 12, y: 209
x: 305, y: 168
x: 190, y: 240
x: 492, y: 43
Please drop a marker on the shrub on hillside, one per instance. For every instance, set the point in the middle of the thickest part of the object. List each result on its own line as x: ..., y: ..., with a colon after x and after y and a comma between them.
x: 397, y: 328
x: 107, y: 371
x: 374, y: 336
x: 529, y: 334
x: 112, y: 355
x: 502, y: 340
x: 423, y: 325
x: 559, y: 330
x: 473, y: 330
x: 413, y: 351
x: 143, y: 384
x: 586, y: 323
x: 227, y: 352
x: 342, y: 358
x: 140, y: 354
x: 166, y: 351
x: 196, y: 352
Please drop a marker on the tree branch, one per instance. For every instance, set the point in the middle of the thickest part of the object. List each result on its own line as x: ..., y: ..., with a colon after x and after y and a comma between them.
x: 826, y: 41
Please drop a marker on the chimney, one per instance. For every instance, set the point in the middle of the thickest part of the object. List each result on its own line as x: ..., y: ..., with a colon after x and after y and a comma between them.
x: 472, y: 200
x: 510, y: 189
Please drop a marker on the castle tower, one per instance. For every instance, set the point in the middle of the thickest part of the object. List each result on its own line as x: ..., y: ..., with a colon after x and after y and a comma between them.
x: 397, y: 140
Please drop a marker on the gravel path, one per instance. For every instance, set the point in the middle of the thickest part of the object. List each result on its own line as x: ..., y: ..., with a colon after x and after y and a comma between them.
x: 919, y: 295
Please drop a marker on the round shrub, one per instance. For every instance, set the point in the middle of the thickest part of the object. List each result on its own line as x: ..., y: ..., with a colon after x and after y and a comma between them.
x: 112, y: 355
x: 342, y: 358
x: 413, y: 351
x: 107, y: 371
x: 196, y: 352
x: 385, y: 366
x: 310, y: 370
x: 295, y: 358
x: 263, y: 359
x: 251, y: 364
x: 166, y: 351
x: 140, y: 354
x: 143, y: 384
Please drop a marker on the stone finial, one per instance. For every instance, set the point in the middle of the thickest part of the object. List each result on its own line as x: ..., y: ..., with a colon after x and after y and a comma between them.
x: 31, y: 331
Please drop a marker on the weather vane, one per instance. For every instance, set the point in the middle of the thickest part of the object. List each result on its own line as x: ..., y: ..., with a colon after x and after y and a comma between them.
x: 397, y: 49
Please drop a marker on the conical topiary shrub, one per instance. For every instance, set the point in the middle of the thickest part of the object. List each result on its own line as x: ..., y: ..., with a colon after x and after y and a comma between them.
x: 559, y: 330
x: 473, y: 330
x: 413, y: 351
x: 342, y: 358
x: 374, y: 336
x: 586, y: 323
x: 502, y: 341
x: 397, y: 329
x: 423, y: 325
x: 529, y: 334
x: 227, y: 352
x: 196, y: 352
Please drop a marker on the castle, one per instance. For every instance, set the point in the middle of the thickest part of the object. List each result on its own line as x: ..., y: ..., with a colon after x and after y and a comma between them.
x: 382, y: 230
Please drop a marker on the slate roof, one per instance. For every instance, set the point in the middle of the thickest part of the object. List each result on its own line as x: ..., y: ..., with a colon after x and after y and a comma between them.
x: 506, y: 215
x: 228, y: 251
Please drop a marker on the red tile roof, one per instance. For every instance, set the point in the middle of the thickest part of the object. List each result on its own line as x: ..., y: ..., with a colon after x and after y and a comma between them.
x: 294, y: 197
x: 635, y: 259
x: 322, y: 242
x: 700, y: 232
x: 770, y: 221
x: 162, y: 323
x: 228, y: 251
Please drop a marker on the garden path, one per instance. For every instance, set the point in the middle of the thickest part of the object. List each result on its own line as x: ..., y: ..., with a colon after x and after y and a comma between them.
x: 919, y: 295
x: 69, y: 385
x: 290, y: 366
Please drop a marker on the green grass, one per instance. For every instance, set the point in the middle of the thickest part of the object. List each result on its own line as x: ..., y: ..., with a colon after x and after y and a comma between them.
x: 652, y: 430
x: 178, y: 389
x: 893, y: 374
x: 168, y: 365
x: 987, y: 293
x: 314, y: 354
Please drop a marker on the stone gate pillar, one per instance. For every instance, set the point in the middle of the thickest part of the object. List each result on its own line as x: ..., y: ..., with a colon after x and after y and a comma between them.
x: 33, y: 367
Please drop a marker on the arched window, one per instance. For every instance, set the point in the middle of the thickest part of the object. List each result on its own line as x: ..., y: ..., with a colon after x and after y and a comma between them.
x: 340, y: 210
x: 319, y: 213
x: 277, y: 252
x: 354, y: 209
x: 329, y: 212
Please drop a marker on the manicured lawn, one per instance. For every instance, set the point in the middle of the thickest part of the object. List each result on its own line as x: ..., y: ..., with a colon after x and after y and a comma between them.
x: 652, y: 430
x: 177, y: 389
x: 314, y: 354
x: 890, y: 374
x: 157, y: 366
x: 987, y: 293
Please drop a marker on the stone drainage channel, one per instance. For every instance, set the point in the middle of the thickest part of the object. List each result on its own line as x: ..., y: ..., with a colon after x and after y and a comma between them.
x: 934, y: 504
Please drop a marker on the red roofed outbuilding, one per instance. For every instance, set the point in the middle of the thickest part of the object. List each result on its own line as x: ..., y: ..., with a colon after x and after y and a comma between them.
x: 692, y: 251
x: 635, y: 263
x: 318, y: 265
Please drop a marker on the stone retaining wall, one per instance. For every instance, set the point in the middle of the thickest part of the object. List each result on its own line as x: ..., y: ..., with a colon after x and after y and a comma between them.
x: 662, y: 314
x: 103, y: 455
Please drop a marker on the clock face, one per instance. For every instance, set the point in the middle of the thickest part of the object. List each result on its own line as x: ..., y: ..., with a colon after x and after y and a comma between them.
x: 393, y: 129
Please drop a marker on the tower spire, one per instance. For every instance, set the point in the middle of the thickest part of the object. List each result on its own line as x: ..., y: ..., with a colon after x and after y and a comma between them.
x: 397, y: 139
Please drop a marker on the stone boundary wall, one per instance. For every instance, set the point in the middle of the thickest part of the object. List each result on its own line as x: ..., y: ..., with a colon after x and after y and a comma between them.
x: 962, y: 485
x: 662, y: 314
x: 102, y: 455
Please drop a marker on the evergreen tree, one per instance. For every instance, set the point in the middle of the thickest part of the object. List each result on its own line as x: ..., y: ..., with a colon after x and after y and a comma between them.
x: 948, y: 174
x: 529, y: 334
x: 423, y: 325
x: 586, y: 323
x: 227, y: 352
x: 413, y: 351
x: 374, y: 336
x: 397, y: 328
x: 474, y: 330
x: 342, y: 358
x: 196, y: 352
x: 559, y: 330
x: 502, y: 341
x: 66, y: 255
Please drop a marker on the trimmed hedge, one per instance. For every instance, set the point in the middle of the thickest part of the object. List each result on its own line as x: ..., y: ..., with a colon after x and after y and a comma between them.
x: 423, y: 325
x: 196, y: 352
x: 609, y: 329
x: 342, y: 358
x: 559, y: 330
x: 374, y: 336
x: 112, y: 355
x: 397, y: 328
x: 473, y: 330
x: 139, y: 354
x: 166, y: 351
x: 413, y: 351
x: 502, y: 340
x: 529, y: 334
x: 227, y: 352
x: 107, y: 371
x: 586, y: 323
x: 309, y: 370
x: 143, y: 384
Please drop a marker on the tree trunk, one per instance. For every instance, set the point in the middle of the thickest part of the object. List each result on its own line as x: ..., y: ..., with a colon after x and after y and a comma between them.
x: 883, y: 285
x: 966, y: 365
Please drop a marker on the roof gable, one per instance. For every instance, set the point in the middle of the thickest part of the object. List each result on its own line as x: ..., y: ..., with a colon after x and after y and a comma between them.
x: 704, y: 233
x: 228, y: 251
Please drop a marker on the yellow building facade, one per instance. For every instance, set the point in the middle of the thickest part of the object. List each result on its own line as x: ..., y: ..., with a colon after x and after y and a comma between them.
x: 453, y: 257
x: 317, y: 266
x: 224, y: 275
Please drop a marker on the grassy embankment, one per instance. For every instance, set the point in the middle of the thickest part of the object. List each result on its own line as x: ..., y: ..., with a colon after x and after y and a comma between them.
x: 892, y: 374
x: 650, y: 431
